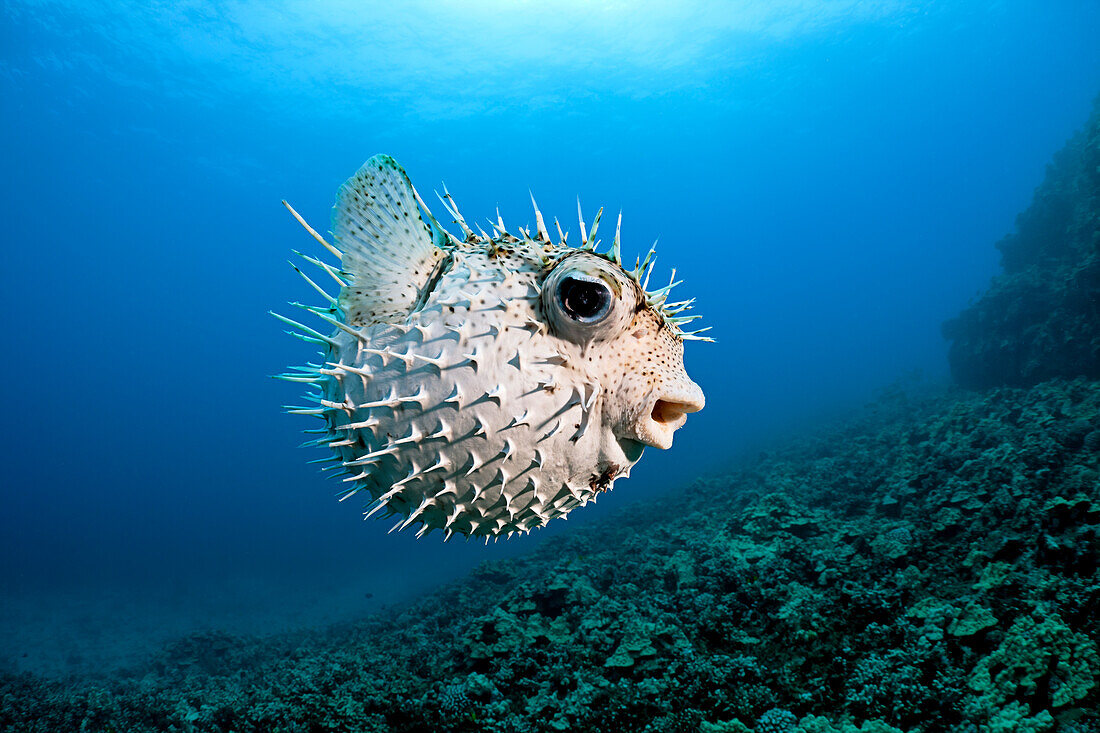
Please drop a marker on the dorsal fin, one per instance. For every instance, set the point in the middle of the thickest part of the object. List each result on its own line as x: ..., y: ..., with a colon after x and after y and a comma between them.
x: 390, y: 254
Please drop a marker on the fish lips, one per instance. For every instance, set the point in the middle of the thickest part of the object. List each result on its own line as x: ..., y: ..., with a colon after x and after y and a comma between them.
x: 665, y: 413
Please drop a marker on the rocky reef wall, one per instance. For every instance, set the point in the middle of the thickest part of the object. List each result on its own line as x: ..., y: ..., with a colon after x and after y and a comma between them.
x: 1041, y: 315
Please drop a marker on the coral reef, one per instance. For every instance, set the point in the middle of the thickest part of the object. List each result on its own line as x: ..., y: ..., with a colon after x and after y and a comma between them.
x: 1041, y: 316
x: 929, y: 566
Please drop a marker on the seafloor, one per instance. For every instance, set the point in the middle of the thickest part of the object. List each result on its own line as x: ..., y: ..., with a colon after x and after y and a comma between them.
x: 928, y: 566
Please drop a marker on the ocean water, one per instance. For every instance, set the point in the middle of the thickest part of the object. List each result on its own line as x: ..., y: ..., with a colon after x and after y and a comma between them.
x: 827, y: 178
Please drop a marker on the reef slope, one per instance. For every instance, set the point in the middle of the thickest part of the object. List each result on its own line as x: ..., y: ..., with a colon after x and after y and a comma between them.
x: 931, y: 565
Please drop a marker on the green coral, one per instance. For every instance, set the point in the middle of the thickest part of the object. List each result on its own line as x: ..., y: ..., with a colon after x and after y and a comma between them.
x: 973, y: 619
x: 818, y: 724
x: 1016, y: 718
x: 728, y: 726
x: 1039, y: 653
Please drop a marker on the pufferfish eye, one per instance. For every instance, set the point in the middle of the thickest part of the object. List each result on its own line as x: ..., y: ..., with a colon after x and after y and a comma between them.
x: 583, y: 298
x: 586, y: 298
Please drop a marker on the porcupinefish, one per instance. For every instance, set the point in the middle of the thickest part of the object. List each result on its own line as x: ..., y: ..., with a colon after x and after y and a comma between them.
x: 484, y: 385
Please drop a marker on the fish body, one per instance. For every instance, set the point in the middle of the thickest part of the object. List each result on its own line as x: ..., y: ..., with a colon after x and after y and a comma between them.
x: 486, y: 385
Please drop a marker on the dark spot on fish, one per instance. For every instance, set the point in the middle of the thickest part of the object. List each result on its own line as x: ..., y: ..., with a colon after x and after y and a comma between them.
x: 602, y: 481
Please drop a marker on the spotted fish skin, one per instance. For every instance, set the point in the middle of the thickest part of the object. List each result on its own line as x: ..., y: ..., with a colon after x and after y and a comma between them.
x: 461, y: 390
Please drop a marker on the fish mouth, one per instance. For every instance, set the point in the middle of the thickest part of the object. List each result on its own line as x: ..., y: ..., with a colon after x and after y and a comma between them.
x: 666, y: 414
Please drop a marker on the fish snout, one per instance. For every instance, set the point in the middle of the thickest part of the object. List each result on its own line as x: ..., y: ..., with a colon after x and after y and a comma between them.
x: 667, y: 411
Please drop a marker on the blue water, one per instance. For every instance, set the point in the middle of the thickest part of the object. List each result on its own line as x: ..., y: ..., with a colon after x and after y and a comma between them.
x: 827, y: 178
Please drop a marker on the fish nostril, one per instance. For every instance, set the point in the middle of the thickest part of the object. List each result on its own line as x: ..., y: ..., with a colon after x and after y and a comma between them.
x: 668, y: 413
